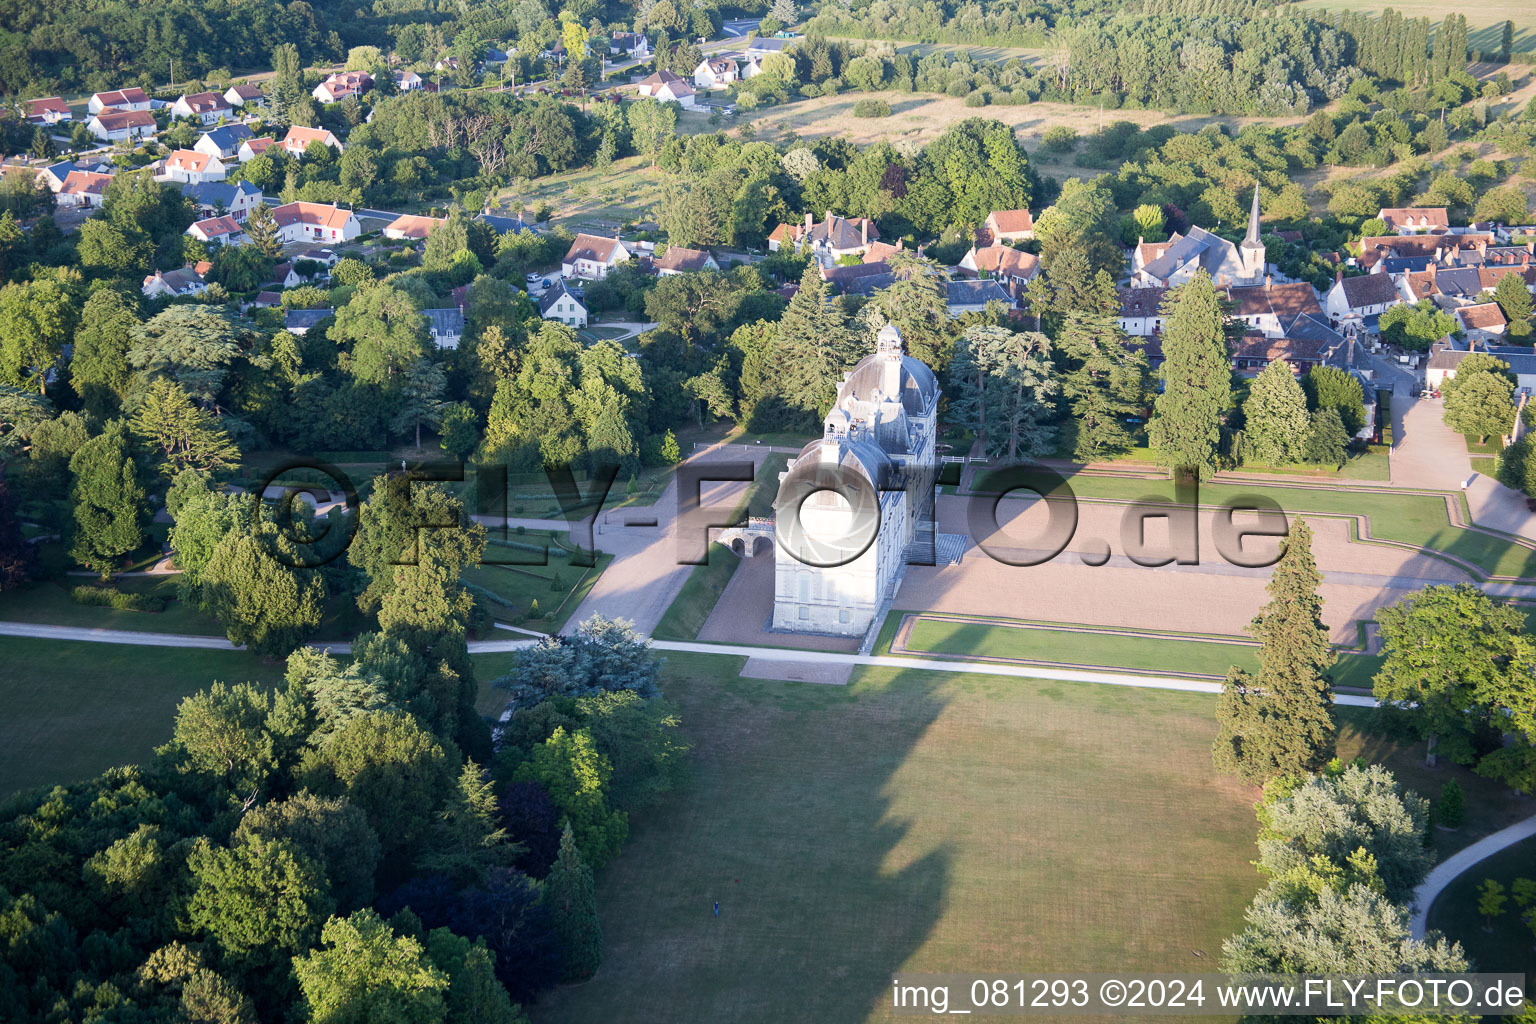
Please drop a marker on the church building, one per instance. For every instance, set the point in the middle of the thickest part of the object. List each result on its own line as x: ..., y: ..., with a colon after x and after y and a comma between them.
x: 883, y: 427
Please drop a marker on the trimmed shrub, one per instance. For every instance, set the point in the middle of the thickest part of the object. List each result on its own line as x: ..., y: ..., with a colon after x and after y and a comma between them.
x: 106, y: 597
x: 1451, y: 810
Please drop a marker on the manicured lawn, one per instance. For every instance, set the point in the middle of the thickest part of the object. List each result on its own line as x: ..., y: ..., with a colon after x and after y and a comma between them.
x: 688, y: 611
x: 1511, y: 945
x: 73, y: 710
x: 1417, y: 519
x: 558, y: 587
x: 914, y: 821
x: 1143, y: 653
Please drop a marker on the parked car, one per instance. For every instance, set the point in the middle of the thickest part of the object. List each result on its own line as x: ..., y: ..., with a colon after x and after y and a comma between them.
x: 532, y: 279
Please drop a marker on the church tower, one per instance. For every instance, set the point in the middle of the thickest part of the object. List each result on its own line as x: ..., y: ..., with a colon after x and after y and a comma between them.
x: 1252, y: 249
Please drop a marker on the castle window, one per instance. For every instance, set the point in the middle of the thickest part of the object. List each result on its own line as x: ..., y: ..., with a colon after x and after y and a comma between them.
x: 805, y: 612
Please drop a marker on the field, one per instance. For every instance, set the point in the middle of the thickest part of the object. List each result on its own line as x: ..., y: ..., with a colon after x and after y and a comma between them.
x: 1485, y: 21
x: 914, y: 821
x: 1510, y: 946
x: 1142, y: 651
x: 588, y: 200
x: 73, y: 710
x: 922, y: 117
x: 686, y: 615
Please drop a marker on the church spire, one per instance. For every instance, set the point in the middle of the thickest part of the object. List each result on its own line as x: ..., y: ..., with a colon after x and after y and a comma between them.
x: 1253, y: 219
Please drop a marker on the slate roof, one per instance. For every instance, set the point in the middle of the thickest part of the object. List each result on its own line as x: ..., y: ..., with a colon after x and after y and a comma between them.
x: 1198, y: 245
x: 216, y: 193
x: 975, y: 293
x: 304, y: 319
x: 554, y: 294
x: 1141, y: 302
x: 445, y: 322
x: 229, y: 136
x: 502, y: 225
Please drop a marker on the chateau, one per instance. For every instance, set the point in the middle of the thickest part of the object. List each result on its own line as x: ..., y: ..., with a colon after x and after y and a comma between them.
x: 883, y: 426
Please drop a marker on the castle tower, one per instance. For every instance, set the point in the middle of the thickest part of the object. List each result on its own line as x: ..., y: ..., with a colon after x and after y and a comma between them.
x: 1252, y: 249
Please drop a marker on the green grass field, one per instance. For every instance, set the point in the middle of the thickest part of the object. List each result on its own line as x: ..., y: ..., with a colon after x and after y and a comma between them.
x: 73, y: 710
x: 558, y: 587
x: 914, y: 821
x: 1510, y: 945
x: 1416, y: 519
x: 1144, y: 653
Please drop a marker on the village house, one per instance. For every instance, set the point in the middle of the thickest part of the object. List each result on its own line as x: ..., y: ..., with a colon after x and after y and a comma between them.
x: 407, y: 81
x: 505, y: 225
x: 1253, y: 352
x: 52, y: 110
x: 1448, y: 250
x: 318, y: 222
x: 765, y: 46
x: 224, y: 142
x: 857, y: 278
x: 715, y: 73
x: 592, y: 256
x: 301, y: 321
x: 300, y: 139
x: 1003, y: 226
x: 668, y: 88
x: 207, y: 107
x: 117, y: 125
x: 559, y: 303
x: 678, y: 260
x: 53, y: 175
x: 243, y: 96
x: 1176, y: 261
x: 1141, y: 311
x: 216, y: 198
x: 1446, y: 355
x: 173, y: 284
x: 1009, y: 267
x: 338, y: 87
x: 972, y: 296
x: 750, y: 67
x: 83, y: 189
x: 219, y: 230
x: 830, y: 240
x: 1358, y: 302
x: 1482, y: 322
x: 250, y: 149
x: 629, y: 44
x: 445, y: 327
x: 191, y: 167
x: 120, y: 99
x: 1415, y: 220
x: 412, y: 227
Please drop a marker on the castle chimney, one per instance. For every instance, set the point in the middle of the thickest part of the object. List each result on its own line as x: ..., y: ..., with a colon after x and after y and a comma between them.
x: 1141, y: 240
x: 864, y: 231
x: 829, y: 220
x: 900, y: 244
x: 1268, y: 282
x: 808, y: 223
x: 1338, y: 276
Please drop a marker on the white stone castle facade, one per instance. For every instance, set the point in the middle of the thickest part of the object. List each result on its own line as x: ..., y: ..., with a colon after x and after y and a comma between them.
x: 883, y: 427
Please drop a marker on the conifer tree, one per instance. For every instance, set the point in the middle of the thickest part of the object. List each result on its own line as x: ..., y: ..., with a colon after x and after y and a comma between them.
x: 1277, y: 416
x: 814, y: 347
x: 1108, y: 384
x: 261, y: 229
x: 1279, y: 724
x: 109, y: 501
x: 568, y: 894
x: 1186, y: 418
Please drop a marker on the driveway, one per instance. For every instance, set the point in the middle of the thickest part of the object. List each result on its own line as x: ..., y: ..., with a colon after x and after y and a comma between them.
x: 1426, y: 452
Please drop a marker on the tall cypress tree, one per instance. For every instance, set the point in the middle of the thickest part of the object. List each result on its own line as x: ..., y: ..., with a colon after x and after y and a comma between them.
x: 1197, y: 381
x: 1280, y: 724
x: 569, y: 896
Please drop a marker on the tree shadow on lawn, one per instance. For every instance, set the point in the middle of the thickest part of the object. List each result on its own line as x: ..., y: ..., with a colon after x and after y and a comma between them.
x: 786, y: 824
